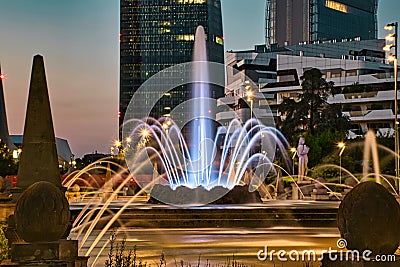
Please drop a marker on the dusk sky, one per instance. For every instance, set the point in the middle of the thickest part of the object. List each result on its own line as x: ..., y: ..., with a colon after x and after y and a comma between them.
x: 79, y: 42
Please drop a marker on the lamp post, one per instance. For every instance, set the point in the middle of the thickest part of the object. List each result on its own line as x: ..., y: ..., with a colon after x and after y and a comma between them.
x: 293, y: 150
x: 392, y: 39
x: 341, y: 146
x: 117, y: 145
x: 165, y: 126
x: 249, y: 95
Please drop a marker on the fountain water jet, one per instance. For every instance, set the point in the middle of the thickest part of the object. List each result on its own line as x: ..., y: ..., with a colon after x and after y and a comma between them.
x: 213, y: 157
x: 370, y: 144
x: 201, y: 150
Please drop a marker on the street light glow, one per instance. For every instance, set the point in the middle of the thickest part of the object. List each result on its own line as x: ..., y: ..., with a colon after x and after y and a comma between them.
x: 391, y: 57
x: 145, y: 133
x: 341, y: 146
x: 387, y: 47
x: 249, y: 94
x: 390, y: 37
x: 388, y: 27
x: 117, y: 143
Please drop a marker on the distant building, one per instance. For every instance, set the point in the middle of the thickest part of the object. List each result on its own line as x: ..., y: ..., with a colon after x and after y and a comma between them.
x: 290, y: 22
x: 65, y: 156
x: 357, y: 68
x: 90, y: 158
x: 157, y: 34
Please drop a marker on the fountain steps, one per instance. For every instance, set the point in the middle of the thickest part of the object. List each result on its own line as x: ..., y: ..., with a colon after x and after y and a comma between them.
x: 167, y: 217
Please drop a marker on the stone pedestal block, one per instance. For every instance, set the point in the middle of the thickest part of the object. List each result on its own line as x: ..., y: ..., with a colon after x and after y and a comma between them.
x: 61, y: 253
x: 306, y: 188
x: 320, y: 194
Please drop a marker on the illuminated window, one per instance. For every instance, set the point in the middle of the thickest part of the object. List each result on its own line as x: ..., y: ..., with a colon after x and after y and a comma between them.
x: 185, y: 37
x: 219, y: 40
x: 336, y: 6
x: 185, y: 2
x: 163, y: 30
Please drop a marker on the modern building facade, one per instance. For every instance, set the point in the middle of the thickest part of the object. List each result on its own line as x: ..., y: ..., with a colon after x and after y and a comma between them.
x: 158, y: 34
x: 290, y: 22
x: 358, y: 69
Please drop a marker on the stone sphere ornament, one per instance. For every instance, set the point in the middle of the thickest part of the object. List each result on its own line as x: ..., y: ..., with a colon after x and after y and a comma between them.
x: 369, y: 218
x: 42, y: 213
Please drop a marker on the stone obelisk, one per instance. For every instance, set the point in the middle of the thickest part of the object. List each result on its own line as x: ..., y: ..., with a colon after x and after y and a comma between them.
x: 41, y: 216
x: 4, y: 134
x: 38, y: 160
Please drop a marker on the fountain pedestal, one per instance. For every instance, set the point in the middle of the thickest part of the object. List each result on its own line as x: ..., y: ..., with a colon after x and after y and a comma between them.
x: 302, y: 190
x: 319, y: 194
x: 58, y: 253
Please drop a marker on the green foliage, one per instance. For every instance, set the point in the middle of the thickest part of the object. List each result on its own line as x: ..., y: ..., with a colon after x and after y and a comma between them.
x: 386, y: 160
x: 3, y: 245
x: 8, y: 166
x: 322, y: 145
x: 311, y: 113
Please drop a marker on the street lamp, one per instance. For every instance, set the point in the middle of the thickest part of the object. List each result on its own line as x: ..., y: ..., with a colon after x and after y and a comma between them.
x: 249, y: 95
x: 392, y: 39
x: 293, y: 150
x: 117, y: 145
x: 341, y: 146
x: 165, y: 126
x: 145, y: 133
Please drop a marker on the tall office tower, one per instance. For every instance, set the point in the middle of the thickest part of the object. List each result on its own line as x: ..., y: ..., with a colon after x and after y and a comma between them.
x: 157, y: 34
x: 290, y: 22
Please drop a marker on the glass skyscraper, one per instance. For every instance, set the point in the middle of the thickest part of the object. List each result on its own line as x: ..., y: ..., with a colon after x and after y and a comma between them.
x: 290, y: 22
x: 157, y: 34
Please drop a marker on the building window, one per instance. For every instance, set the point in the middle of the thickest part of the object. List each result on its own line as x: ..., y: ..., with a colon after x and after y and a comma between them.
x: 185, y: 37
x: 191, y: 2
x: 336, y: 6
x: 219, y: 40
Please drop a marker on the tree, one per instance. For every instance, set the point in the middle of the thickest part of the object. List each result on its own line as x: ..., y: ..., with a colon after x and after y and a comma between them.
x: 321, y: 123
x: 8, y: 166
x: 333, y: 120
x: 3, y: 245
x: 312, y: 112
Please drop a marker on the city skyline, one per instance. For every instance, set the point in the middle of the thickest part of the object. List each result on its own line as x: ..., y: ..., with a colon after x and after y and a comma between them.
x: 79, y: 42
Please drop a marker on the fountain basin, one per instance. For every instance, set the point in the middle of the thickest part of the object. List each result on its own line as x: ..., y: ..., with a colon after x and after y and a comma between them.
x: 183, y: 195
x: 300, y: 213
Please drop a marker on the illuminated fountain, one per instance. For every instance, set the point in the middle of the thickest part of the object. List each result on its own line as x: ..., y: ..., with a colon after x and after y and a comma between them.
x: 97, y: 217
x: 214, y: 159
x: 199, y: 172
